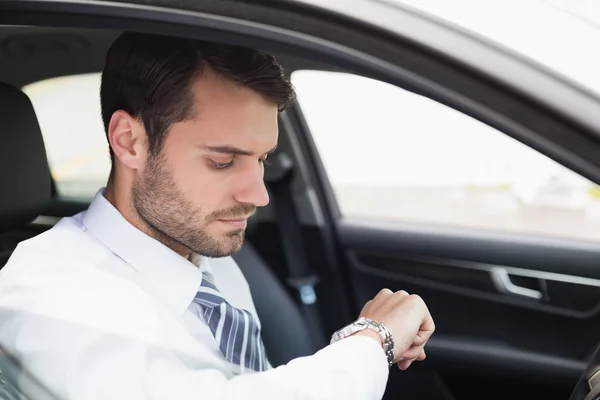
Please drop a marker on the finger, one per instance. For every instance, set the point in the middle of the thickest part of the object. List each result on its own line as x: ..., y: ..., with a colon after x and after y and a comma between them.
x: 401, y: 294
x: 421, y: 338
x: 412, y: 353
x: 383, y: 293
x: 425, y: 331
x: 403, y: 365
x: 428, y: 325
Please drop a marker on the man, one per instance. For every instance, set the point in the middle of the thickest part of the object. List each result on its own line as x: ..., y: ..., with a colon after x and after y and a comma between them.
x: 138, y: 297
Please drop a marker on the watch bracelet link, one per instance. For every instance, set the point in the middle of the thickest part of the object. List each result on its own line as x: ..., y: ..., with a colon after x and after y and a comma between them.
x: 366, y: 323
x: 386, y: 338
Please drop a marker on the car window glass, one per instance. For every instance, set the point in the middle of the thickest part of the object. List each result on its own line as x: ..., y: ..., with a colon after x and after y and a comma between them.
x: 68, y: 111
x: 565, y: 50
x: 393, y: 155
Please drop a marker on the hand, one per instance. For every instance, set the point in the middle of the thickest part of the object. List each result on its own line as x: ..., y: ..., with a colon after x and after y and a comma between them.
x: 407, y: 318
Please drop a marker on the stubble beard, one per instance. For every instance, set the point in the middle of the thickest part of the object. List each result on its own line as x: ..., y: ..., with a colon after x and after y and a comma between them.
x: 176, y: 221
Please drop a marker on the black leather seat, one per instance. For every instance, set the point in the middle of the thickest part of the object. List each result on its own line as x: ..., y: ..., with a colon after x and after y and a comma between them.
x: 26, y: 189
x: 24, y: 173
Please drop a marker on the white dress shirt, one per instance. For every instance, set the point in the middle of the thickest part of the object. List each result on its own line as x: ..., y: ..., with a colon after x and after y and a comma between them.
x: 96, y: 309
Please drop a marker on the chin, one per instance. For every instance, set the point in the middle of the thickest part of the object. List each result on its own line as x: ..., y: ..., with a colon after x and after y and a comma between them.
x: 230, y: 244
x: 236, y: 242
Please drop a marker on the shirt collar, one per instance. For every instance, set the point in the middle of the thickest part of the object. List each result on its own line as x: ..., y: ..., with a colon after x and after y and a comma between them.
x: 175, y: 278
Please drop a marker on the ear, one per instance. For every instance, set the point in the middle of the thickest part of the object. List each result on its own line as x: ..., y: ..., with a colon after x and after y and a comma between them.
x: 127, y: 139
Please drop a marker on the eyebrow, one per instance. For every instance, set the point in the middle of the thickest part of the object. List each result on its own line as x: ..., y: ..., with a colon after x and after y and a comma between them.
x: 234, y: 150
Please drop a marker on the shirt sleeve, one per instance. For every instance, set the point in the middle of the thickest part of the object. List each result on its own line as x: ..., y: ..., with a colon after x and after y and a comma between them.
x: 354, y: 368
x: 80, y: 363
x: 85, y: 345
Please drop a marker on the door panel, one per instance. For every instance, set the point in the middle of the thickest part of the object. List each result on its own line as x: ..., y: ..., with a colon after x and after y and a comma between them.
x: 482, y: 332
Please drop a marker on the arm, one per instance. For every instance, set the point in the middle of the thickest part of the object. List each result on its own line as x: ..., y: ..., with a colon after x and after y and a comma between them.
x: 82, y: 363
x: 87, y: 345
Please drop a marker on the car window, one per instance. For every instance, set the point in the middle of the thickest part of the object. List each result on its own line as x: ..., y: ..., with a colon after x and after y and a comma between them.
x: 68, y: 111
x: 393, y: 155
x: 565, y: 50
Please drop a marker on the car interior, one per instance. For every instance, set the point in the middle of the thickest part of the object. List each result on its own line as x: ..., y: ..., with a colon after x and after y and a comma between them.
x: 487, y: 343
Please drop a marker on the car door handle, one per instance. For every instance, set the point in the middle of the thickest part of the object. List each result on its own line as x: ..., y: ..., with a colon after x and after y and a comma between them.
x: 503, y: 284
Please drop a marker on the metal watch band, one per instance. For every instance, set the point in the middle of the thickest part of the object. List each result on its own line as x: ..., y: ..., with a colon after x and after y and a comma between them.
x: 386, y: 338
x: 366, y: 323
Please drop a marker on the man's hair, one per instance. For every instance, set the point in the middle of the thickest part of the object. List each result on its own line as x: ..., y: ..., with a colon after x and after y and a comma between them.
x: 150, y: 77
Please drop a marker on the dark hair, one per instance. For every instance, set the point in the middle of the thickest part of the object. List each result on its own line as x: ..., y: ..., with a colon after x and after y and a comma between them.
x: 150, y: 77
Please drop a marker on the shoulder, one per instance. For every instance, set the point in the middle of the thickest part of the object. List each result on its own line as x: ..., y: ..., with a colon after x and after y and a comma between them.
x: 68, y: 239
x: 54, y: 277
x: 63, y: 317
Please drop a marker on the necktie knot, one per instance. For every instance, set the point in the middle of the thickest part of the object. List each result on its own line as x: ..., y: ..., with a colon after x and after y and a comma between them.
x: 208, y: 295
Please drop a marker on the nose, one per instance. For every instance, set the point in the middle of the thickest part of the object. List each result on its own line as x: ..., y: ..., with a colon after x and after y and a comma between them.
x: 252, y: 189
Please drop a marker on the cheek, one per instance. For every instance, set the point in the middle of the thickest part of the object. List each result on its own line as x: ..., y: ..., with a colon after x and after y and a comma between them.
x: 205, y: 188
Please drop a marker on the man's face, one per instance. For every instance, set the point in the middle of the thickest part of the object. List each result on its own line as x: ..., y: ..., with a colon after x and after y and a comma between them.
x: 208, y: 177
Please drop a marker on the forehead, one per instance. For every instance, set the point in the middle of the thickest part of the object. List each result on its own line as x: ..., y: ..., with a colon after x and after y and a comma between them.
x: 226, y: 112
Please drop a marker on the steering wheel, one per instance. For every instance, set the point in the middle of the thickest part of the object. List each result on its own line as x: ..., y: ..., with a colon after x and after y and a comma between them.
x: 588, y: 387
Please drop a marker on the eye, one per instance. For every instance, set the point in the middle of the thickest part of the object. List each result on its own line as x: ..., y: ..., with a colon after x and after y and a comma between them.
x: 264, y: 161
x: 219, y: 165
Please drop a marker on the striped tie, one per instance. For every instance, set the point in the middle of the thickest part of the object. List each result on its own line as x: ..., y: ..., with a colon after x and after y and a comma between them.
x: 235, y: 330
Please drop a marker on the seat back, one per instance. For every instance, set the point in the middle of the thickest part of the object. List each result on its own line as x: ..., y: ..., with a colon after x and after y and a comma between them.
x: 24, y: 173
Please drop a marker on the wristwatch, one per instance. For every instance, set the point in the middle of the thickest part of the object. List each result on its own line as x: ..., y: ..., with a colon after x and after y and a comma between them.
x: 366, y: 323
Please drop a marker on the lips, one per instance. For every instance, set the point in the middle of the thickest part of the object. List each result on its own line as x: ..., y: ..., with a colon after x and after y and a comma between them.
x: 239, y: 223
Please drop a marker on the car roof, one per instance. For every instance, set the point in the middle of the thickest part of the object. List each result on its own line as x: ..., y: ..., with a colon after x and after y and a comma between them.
x: 72, y: 51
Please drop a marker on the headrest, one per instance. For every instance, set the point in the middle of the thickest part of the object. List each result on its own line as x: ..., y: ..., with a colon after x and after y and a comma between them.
x: 25, y: 185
